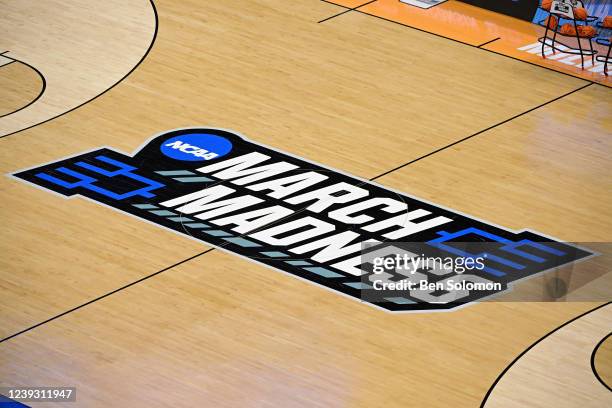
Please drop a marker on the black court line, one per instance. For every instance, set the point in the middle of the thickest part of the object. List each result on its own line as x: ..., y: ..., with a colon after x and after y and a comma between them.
x: 481, y: 131
x: 475, y: 46
x: 105, y: 295
x: 489, y: 42
x: 595, y: 373
x: 335, y: 4
x: 42, y: 89
x: 212, y: 249
x: 108, y: 89
x: 485, y: 49
x: 488, y: 394
x: 346, y: 11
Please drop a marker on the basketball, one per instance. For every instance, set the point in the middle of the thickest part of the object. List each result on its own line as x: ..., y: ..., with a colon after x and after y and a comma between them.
x: 546, y: 4
x: 586, y: 31
x: 583, y: 31
x: 607, y: 22
x: 580, y: 13
x: 552, y: 22
x: 568, y: 29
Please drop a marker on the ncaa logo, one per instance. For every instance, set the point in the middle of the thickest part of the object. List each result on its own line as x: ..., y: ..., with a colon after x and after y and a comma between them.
x: 196, y: 147
x: 305, y: 219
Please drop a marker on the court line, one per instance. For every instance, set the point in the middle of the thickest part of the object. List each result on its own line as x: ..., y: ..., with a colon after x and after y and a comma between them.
x: 42, y: 90
x: 346, y: 11
x: 474, y: 46
x: 489, y: 42
x: 499, y: 377
x: 212, y: 249
x: 105, y: 295
x: 335, y: 4
x: 482, y: 131
x: 485, y: 49
x: 374, y: 178
x: 250, y: 232
x: 593, y: 362
x: 108, y: 89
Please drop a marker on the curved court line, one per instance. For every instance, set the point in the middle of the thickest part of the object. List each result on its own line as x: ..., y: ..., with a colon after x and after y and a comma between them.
x: 593, y: 362
x: 42, y: 91
x: 108, y: 89
x: 517, y: 358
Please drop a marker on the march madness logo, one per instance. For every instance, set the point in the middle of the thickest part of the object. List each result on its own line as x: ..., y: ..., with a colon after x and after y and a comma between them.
x: 313, y: 222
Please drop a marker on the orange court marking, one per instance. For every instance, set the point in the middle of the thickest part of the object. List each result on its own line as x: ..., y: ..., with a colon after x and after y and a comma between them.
x: 475, y: 26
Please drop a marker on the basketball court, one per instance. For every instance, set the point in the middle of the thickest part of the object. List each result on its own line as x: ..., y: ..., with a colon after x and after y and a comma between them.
x: 132, y: 296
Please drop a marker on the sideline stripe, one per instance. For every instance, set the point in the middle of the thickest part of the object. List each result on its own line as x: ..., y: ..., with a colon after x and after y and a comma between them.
x: 472, y: 45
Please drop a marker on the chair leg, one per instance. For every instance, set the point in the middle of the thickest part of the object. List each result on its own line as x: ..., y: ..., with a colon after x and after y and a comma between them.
x: 544, y: 38
x: 579, y: 44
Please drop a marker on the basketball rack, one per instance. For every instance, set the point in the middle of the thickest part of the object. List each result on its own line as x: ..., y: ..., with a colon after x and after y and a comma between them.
x: 564, y: 10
